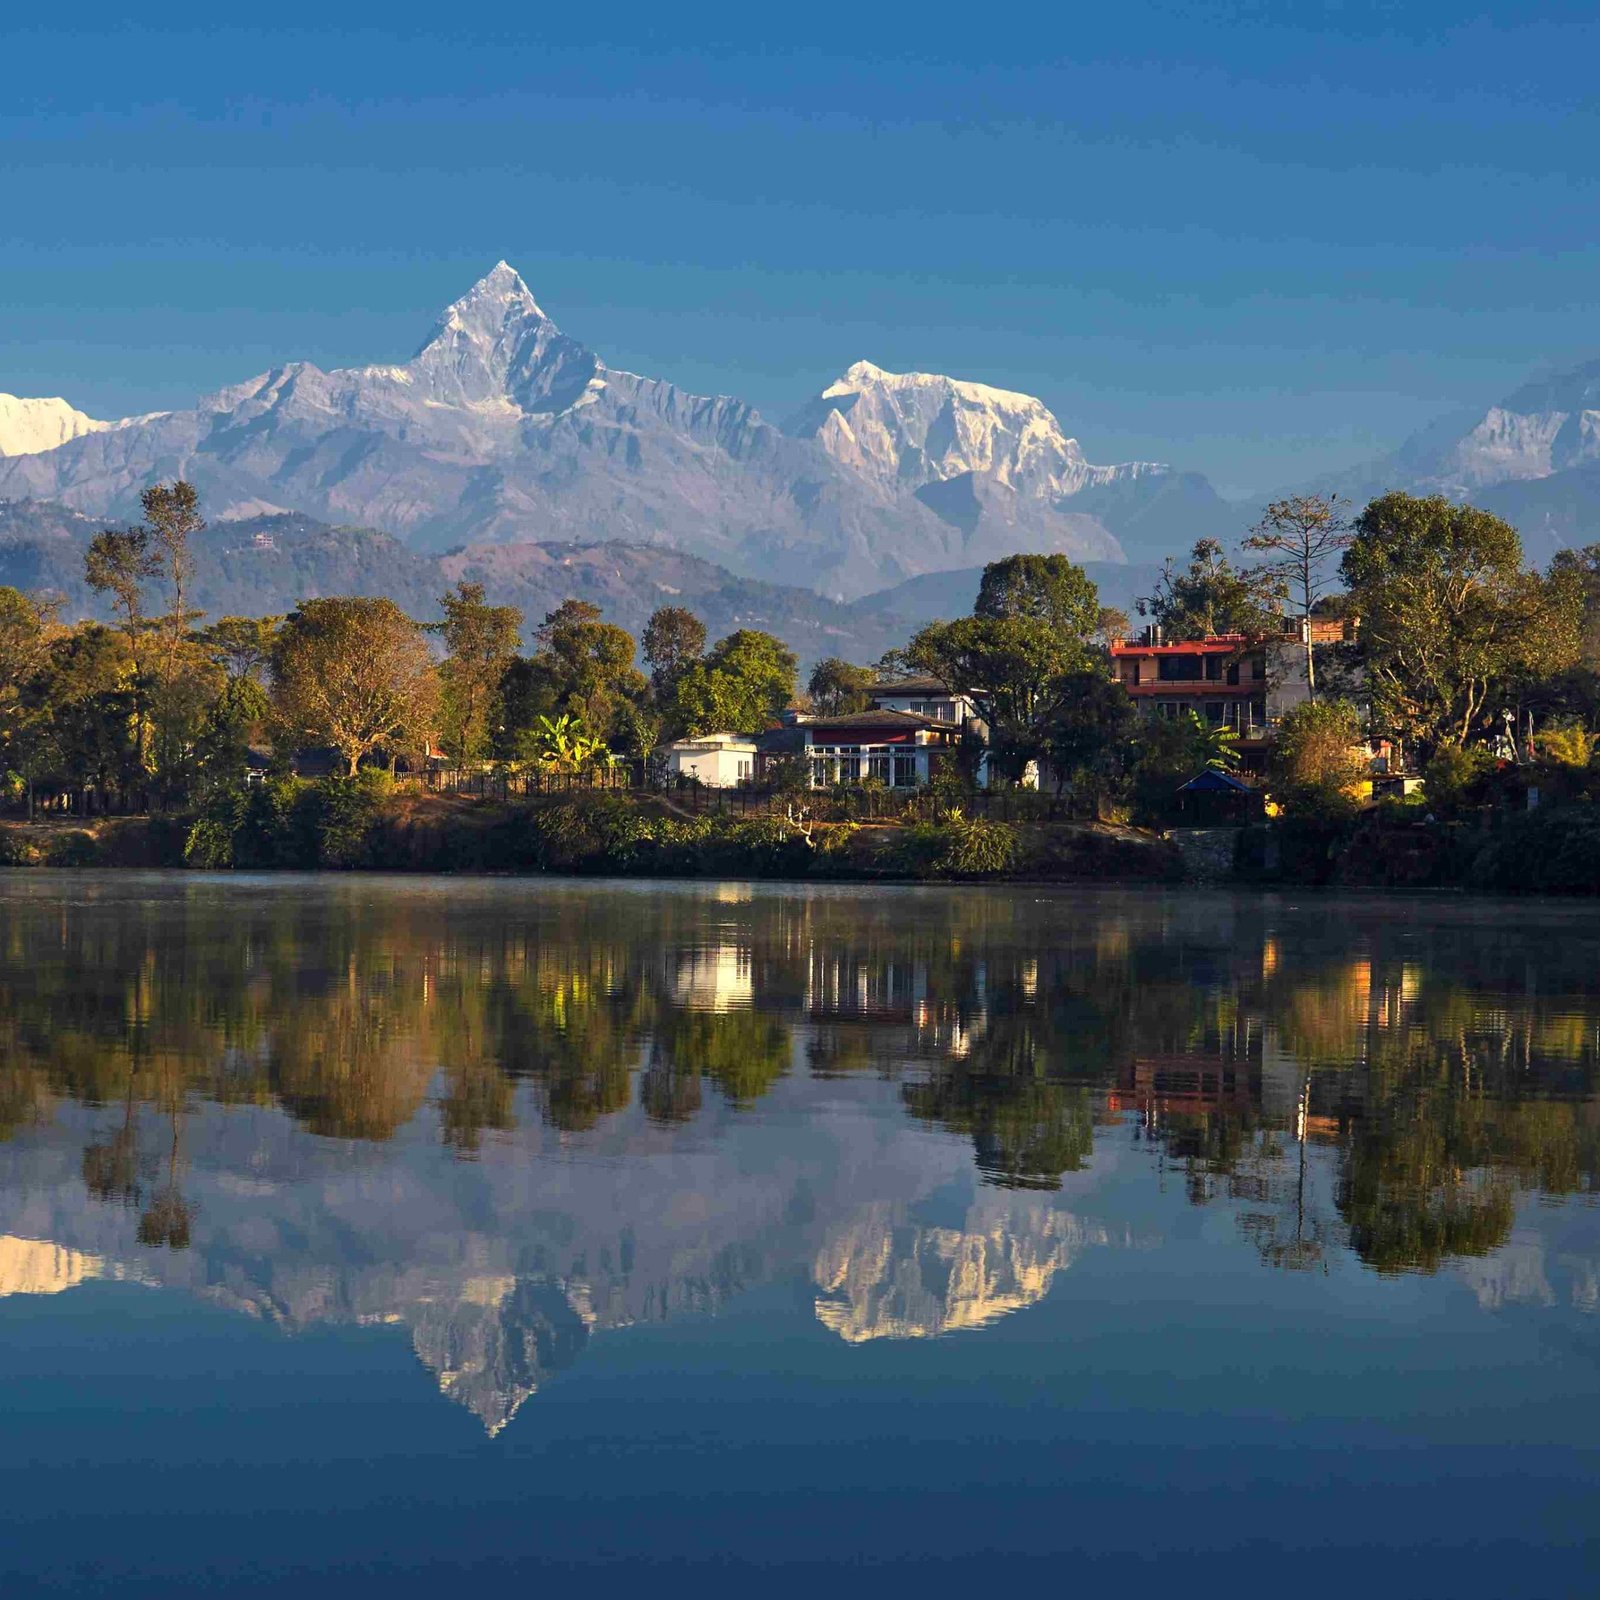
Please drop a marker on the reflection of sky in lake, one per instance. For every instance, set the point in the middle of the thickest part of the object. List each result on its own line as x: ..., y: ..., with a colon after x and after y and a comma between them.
x: 932, y: 1228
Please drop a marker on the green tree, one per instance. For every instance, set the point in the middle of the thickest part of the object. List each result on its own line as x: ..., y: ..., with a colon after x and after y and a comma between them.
x: 1046, y: 588
x: 1581, y: 569
x: 1168, y: 751
x: 1088, y: 733
x: 1319, y: 756
x: 836, y: 686
x: 1210, y: 596
x: 674, y: 639
x: 480, y: 641
x: 1008, y: 666
x: 232, y: 719
x: 118, y: 564
x: 1111, y: 623
x: 83, y: 721
x: 741, y: 687
x: 26, y: 627
x: 172, y: 518
x: 241, y: 646
x: 355, y: 674
x: 583, y: 668
x: 1450, y: 621
x: 1299, y: 537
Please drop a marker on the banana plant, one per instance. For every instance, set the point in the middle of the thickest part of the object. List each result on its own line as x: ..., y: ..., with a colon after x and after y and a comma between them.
x: 561, y: 744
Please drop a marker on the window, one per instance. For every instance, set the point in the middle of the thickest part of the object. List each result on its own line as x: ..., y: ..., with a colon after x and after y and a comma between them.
x: 744, y: 771
x: 1179, y: 669
x: 1214, y: 712
x: 1130, y: 672
x: 878, y: 767
x: 905, y: 772
x: 1214, y: 666
x: 1258, y: 668
x: 850, y: 768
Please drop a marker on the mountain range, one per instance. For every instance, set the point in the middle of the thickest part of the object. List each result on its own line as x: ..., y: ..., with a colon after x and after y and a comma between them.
x: 507, y: 450
x: 1533, y: 458
x: 268, y: 564
x: 502, y: 428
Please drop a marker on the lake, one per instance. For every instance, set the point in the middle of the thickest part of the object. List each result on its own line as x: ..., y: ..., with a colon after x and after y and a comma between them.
x: 383, y: 1235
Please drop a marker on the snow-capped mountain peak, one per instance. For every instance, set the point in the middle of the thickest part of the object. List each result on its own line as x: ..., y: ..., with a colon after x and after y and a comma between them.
x: 28, y: 426
x: 495, y: 344
x: 911, y: 429
x: 503, y: 428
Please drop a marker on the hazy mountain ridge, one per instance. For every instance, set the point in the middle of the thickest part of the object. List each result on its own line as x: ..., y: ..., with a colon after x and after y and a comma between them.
x: 267, y: 564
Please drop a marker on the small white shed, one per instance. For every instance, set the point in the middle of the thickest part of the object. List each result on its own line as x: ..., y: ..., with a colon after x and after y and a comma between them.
x: 718, y: 760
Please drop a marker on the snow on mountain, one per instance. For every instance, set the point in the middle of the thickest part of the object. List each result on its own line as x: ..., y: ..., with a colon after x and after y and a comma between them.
x: 998, y: 466
x: 503, y: 428
x: 1545, y: 427
x: 29, y: 426
x: 1533, y: 458
x: 909, y: 429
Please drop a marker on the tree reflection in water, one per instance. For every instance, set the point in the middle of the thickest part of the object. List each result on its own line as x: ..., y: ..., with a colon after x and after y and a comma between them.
x: 1381, y: 1086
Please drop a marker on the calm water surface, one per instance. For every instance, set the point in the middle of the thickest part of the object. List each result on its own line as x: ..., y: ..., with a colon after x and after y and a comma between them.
x: 377, y: 1236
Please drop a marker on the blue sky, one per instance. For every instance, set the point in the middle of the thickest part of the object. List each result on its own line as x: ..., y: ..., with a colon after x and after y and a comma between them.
x: 1259, y: 240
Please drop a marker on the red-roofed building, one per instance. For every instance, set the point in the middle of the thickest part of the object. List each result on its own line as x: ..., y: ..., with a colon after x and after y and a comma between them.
x: 1227, y: 680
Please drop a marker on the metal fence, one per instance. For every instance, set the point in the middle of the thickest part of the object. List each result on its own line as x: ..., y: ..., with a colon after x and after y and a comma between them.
x: 843, y: 803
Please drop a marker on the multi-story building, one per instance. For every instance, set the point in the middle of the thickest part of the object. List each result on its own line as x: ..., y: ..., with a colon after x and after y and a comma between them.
x: 1226, y: 680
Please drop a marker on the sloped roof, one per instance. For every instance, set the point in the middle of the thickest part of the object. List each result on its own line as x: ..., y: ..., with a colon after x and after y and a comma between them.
x: 912, y: 685
x: 888, y: 721
x: 1214, y: 781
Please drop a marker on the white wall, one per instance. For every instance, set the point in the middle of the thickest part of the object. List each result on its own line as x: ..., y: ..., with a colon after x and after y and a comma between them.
x: 718, y: 767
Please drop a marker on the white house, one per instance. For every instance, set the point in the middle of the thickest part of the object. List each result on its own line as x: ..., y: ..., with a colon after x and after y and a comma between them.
x: 925, y: 697
x: 717, y: 760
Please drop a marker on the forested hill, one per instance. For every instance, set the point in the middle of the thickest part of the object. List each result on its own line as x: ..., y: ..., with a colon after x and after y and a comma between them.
x: 267, y: 564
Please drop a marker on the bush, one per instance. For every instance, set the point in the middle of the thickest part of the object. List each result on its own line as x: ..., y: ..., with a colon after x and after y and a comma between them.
x: 758, y: 846
x: 342, y: 813
x: 1319, y: 760
x: 1554, y: 850
x: 1569, y: 744
x: 255, y: 826
x: 1451, y: 777
x: 72, y: 850
x: 957, y: 847
x: 16, y: 851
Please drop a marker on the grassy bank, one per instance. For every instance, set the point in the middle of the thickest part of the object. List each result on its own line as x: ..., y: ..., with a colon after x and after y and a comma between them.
x: 361, y: 824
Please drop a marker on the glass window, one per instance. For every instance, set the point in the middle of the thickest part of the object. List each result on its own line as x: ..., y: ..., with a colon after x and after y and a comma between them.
x: 1213, y: 711
x: 878, y: 767
x: 905, y: 772
x: 1214, y: 668
x: 1179, y: 669
x: 850, y: 769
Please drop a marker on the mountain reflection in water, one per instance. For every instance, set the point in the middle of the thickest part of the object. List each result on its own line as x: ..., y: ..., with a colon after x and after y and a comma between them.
x: 511, y: 1117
